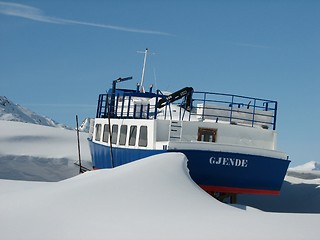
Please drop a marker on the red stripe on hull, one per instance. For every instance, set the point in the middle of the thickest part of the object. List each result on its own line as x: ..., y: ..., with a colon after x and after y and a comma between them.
x: 211, y: 189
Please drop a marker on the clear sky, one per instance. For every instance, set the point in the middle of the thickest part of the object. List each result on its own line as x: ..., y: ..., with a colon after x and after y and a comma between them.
x: 57, y: 56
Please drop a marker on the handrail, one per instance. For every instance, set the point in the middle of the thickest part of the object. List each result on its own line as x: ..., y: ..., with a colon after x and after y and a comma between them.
x: 234, y: 109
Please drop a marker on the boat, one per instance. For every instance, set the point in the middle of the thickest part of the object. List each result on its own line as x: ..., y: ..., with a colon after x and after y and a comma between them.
x: 229, y: 140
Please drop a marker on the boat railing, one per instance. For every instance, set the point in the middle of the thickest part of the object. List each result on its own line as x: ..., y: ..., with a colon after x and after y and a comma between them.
x: 235, y: 109
x: 219, y: 107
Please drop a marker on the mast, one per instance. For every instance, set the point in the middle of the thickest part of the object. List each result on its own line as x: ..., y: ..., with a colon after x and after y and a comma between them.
x: 143, y: 70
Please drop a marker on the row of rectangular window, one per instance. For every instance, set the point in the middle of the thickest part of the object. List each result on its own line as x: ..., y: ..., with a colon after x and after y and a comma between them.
x: 143, y: 134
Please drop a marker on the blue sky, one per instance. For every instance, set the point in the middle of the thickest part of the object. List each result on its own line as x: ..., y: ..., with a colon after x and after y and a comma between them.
x: 57, y: 56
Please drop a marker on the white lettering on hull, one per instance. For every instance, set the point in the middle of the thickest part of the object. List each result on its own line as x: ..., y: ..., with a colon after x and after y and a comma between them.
x: 234, y: 162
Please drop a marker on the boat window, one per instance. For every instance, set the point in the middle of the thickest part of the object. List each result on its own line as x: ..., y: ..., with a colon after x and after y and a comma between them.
x: 123, y: 135
x: 98, y: 132
x: 132, y: 136
x: 207, y: 134
x: 143, y: 142
x: 114, y: 134
x: 105, y: 137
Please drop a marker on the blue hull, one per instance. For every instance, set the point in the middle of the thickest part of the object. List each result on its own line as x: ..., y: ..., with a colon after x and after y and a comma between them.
x: 235, y: 172
x: 100, y: 155
x: 213, y: 171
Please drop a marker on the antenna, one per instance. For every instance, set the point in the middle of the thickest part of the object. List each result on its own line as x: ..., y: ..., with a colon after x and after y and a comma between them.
x: 143, y: 70
x: 146, y: 52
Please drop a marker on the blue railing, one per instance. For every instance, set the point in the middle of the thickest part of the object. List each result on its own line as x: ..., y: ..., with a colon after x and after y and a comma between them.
x: 236, y: 109
x: 219, y: 107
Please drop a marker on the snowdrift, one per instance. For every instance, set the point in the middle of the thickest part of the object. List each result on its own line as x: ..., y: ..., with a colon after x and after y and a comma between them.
x: 39, y: 153
x: 153, y: 198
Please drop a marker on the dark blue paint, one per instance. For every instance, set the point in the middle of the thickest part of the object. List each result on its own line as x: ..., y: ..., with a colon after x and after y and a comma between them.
x: 261, y: 173
x: 101, y: 157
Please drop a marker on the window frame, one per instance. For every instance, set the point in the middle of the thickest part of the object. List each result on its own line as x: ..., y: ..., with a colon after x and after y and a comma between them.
x: 123, y: 135
x: 143, y: 136
x: 205, y: 132
x: 133, y: 135
x: 98, y: 128
x: 106, y: 133
x: 114, y: 133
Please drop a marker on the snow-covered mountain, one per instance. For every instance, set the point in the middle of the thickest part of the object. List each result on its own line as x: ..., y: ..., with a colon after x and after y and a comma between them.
x: 85, y: 125
x: 10, y: 111
x: 309, y: 166
x: 309, y: 170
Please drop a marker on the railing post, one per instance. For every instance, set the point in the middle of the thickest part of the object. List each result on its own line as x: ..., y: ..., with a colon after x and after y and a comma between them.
x: 204, y: 105
x: 165, y: 112
x: 141, y: 110
x: 106, y: 106
x: 232, y: 100
x: 117, y: 103
x: 148, y: 110
x: 128, y: 111
x: 122, y: 106
x: 134, y: 110
x: 254, y: 111
x: 190, y: 104
x: 99, y: 106
x: 155, y: 105
x: 275, y: 115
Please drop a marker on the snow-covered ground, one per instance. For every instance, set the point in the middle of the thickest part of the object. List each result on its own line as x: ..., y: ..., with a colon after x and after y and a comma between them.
x: 300, y: 192
x: 153, y: 198
x: 39, y: 153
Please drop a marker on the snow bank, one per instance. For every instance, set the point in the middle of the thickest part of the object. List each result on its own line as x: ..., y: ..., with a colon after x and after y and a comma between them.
x: 153, y: 198
x: 41, y: 153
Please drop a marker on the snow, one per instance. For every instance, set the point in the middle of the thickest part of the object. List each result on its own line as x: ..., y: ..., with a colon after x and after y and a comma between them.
x: 153, y: 198
x: 309, y: 166
x: 309, y: 170
x: 36, y: 152
x: 294, y: 180
x: 85, y: 125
